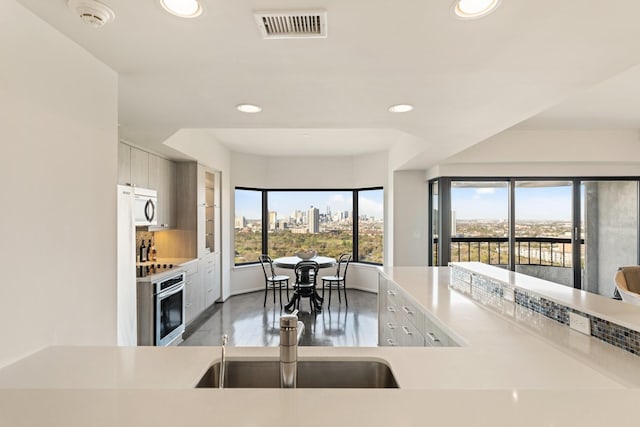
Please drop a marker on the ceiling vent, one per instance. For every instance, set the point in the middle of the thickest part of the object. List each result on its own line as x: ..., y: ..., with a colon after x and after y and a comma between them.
x: 292, y: 24
x: 91, y: 12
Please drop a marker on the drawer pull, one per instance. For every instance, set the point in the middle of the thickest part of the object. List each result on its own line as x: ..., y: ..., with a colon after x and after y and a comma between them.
x: 433, y: 337
x: 391, y: 342
x: 407, y: 309
x: 391, y: 325
x: 391, y: 309
x: 390, y: 292
x: 407, y: 331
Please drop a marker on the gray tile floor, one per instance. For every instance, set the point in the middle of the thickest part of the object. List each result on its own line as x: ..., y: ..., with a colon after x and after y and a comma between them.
x: 248, y: 323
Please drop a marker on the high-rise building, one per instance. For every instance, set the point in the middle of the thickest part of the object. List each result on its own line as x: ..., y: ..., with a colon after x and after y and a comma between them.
x: 240, y: 222
x: 273, y: 220
x: 313, y: 218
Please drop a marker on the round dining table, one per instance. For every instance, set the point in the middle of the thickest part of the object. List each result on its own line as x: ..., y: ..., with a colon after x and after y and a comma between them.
x: 291, y: 262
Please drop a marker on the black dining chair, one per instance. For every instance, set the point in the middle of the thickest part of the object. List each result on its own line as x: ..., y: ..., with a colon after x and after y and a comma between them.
x: 339, y: 280
x: 272, y: 280
x: 305, y: 285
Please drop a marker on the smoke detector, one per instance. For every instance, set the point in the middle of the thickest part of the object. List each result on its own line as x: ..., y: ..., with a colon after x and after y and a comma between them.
x: 92, y: 12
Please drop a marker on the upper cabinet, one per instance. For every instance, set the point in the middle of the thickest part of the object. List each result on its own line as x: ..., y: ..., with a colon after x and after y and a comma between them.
x: 124, y: 164
x: 139, y: 168
x: 142, y: 169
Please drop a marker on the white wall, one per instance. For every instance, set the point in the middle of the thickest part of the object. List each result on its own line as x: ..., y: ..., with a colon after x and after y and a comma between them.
x: 548, y: 153
x: 308, y: 172
x: 58, y: 110
x: 410, y: 210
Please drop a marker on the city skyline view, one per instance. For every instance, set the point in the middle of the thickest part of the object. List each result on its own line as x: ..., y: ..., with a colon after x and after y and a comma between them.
x: 248, y: 203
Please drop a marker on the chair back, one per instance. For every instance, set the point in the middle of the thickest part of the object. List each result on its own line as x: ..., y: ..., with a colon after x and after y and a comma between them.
x: 343, y: 265
x: 306, y: 269
x: 627, y: 281
x: 264, y: 261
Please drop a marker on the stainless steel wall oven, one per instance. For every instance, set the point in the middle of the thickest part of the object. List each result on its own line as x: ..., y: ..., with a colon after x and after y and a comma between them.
x: 161, y: 315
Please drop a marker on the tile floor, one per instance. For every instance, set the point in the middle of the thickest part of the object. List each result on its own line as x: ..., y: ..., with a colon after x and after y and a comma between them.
x: 248, y: 323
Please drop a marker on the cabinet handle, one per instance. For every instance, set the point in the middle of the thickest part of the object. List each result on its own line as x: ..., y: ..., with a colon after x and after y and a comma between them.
x: 391, y: 342
x: 391, y: 325
x: 407, y: 309
x: 391, y: 309
x: 407, y: 331
x: 392, y: 293
x: 433, y: 337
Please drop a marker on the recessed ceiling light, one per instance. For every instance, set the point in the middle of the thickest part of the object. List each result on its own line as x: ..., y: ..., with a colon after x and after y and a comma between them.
x: 249, y: 108
x: 472, y: 9
x: 401, y: 108
x: 182, y: 8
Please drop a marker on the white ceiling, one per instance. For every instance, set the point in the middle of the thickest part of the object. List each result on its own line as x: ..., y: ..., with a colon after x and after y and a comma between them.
x: 468, y: 80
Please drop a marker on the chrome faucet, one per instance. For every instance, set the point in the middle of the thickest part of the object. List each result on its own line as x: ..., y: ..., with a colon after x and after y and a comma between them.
x: 223, y: 361
x: 291, y: 330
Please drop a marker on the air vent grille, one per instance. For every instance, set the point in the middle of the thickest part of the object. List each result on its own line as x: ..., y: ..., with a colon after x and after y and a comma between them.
x: 292, y: 24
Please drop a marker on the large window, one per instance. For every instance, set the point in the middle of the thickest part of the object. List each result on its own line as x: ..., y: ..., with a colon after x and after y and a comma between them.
x: 370, y: 226
x: 480, y: 222
x: 332, y: 222
x: 318, y: 220
x: 248, y: 226
x: 572, y: 231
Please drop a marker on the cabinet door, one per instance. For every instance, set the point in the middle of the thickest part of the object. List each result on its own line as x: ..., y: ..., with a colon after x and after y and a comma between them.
x: 211, y: 291
x: 139, y: 168
x: 124, y: 164
x: 155, y: 174
x: 168, y: 174
x: 194, y: 297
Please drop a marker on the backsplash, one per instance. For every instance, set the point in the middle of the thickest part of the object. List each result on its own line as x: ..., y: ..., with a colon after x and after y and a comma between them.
x: 521, y: 306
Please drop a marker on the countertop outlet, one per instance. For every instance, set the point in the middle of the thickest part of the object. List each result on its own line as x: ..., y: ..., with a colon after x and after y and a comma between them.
x: 580, y: 323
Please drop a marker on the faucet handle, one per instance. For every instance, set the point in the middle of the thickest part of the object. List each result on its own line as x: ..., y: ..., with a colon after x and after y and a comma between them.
x: 289, y: 321
x: 225, y: 338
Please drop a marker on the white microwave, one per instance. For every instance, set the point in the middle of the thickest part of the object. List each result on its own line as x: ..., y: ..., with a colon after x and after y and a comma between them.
x: 145, y: 206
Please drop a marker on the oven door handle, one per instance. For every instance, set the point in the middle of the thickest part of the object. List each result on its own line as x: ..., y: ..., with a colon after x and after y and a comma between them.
x: 171, y: 291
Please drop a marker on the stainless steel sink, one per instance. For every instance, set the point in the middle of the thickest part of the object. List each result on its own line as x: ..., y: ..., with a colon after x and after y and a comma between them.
x: 311, y: 374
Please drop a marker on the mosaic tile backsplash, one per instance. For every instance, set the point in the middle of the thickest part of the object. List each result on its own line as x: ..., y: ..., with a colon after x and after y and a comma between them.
x: 518, y: 303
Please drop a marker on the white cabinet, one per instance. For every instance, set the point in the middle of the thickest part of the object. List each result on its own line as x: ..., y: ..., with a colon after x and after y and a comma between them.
x: 162, y: 179
x: 402, y: 322
x: 210, y: 272
x: 193, y: 290
x: 124, y: 164
x: 139, y: 168
x: 146, y: 170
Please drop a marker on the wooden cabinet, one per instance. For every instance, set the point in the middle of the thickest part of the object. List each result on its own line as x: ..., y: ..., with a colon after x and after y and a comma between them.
x: 403, y: 322
x: 198, y: 215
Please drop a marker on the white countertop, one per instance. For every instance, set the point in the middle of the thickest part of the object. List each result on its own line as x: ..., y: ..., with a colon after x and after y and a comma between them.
x: 504, y: 375
x: 622, y: 313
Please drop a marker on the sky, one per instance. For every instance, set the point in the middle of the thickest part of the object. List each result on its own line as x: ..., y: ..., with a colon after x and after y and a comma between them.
x: 248, y: 202
x: 536, y: 203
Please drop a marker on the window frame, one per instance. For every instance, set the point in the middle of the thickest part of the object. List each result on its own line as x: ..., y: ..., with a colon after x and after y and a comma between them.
x: 265, y: 216
x: 444, y: 204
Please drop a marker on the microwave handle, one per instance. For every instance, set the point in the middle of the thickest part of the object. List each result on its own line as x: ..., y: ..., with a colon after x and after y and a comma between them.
x: 149, y: 206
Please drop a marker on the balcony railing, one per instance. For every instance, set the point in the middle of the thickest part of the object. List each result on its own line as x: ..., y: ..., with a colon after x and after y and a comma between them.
x: 543, y: 251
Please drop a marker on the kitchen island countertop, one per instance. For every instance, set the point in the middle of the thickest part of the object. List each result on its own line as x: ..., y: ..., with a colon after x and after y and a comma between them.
x: 503, y: 374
